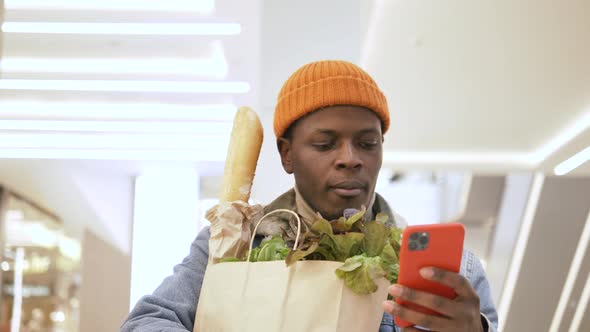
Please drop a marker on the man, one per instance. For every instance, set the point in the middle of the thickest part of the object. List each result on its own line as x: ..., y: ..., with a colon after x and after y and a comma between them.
x: 329, y: 122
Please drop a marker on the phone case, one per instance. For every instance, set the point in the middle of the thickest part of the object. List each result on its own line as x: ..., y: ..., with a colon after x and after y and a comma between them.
x: 443, y: 250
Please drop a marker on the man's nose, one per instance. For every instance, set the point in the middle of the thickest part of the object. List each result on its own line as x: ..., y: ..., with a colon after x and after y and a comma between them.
x: 348, y: 157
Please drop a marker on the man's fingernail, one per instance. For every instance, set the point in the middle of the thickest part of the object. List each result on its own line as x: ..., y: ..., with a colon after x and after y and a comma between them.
x: 427, y: 272
x: 388, y: 306
x: 395, y: 290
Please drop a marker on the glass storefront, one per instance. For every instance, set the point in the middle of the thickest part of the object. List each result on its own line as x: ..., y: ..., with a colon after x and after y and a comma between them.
x: 39, y: 269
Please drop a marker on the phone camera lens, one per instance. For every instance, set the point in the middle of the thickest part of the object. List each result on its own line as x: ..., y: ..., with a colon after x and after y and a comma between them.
x: 424, y: 239
x: 413, y: 246
x: 414, y: 237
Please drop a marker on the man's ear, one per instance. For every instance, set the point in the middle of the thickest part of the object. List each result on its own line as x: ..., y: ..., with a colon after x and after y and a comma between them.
x: 285, y: 150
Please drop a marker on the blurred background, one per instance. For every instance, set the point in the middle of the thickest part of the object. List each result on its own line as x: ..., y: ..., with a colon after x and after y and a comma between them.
x: 115, y: 118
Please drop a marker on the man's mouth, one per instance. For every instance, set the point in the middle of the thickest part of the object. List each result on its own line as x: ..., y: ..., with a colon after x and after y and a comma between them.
x: 348, y: 189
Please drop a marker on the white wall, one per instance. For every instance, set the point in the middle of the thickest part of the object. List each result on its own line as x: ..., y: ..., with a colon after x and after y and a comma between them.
x: 317, y: 36
x: 455, y: 186
x: 560, y: 213
x: 416, y: 199
x: 514, y: 201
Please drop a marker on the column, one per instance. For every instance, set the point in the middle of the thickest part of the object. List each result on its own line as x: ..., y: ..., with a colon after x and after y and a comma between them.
x: 165, y: 224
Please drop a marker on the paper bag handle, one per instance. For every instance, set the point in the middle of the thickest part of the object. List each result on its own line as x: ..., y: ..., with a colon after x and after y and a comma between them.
x: 268, y: 214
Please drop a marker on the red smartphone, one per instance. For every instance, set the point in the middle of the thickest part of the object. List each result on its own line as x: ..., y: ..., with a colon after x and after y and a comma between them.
x: 437, y: 245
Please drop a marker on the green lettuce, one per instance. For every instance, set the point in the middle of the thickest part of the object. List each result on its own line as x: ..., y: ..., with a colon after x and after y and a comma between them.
x: 360, y: 272
x: 342, y: 246
x: 270, y: 249
x: 368, y: 250
x: 375, y: 238
x: 348, y: 224
x: 390, y: 263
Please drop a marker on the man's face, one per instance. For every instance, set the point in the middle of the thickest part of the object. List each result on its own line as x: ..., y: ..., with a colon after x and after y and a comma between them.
x: 335, y: 154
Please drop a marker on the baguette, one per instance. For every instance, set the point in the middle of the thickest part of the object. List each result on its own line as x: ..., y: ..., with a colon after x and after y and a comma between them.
x: 242, y: 156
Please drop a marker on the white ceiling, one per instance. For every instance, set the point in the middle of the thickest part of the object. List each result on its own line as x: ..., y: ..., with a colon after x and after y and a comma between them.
x: 469, y: 78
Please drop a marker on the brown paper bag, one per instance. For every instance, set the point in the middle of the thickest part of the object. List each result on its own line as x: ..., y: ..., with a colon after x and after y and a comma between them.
x: 270, y: 297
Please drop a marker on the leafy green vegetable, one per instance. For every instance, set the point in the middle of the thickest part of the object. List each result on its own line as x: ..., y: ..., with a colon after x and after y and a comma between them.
x: 356, y: 217
x: 382, y: 218
x: 375, y: 238
x: 270, y: 249
x: 229, y: 260
x: 342, y: 246
x: 324, y: 254
x: 395, y: 234
x: 368, y: 250
x: 322, y: 226
x: 395, y: 238
x: 297, y: 255
x: 359, y: 273
x: 390, y: 263
x: 254, y: 254
x: 344, y: 225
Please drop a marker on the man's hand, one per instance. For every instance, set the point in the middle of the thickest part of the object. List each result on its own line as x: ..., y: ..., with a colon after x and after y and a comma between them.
x: 460, y: 314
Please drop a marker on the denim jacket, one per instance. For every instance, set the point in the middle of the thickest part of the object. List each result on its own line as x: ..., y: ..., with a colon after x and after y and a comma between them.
x: 173, y: 304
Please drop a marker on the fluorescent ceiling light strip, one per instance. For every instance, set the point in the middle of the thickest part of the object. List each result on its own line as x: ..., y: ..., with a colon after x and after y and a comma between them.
x: 118, y: 126
x: 92, y: 28
x: 126, y: 86
x: 566, y: 293
x: 581, y: 308
x: 576, y: 128
x: 573, y: 162
x: 111, y: 141
x: 519, y: 250
x: 103, y: 111
x: 214, y: 65
x: 213, y: 153
x: 205, y: 67
x: 201, y: 6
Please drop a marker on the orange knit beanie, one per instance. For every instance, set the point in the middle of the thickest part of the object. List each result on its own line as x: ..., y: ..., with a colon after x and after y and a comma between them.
x: 327, y: 83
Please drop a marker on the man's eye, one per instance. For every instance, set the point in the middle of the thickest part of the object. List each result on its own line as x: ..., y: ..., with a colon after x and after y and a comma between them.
x: 323, y: 146
x: 369, y: 144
